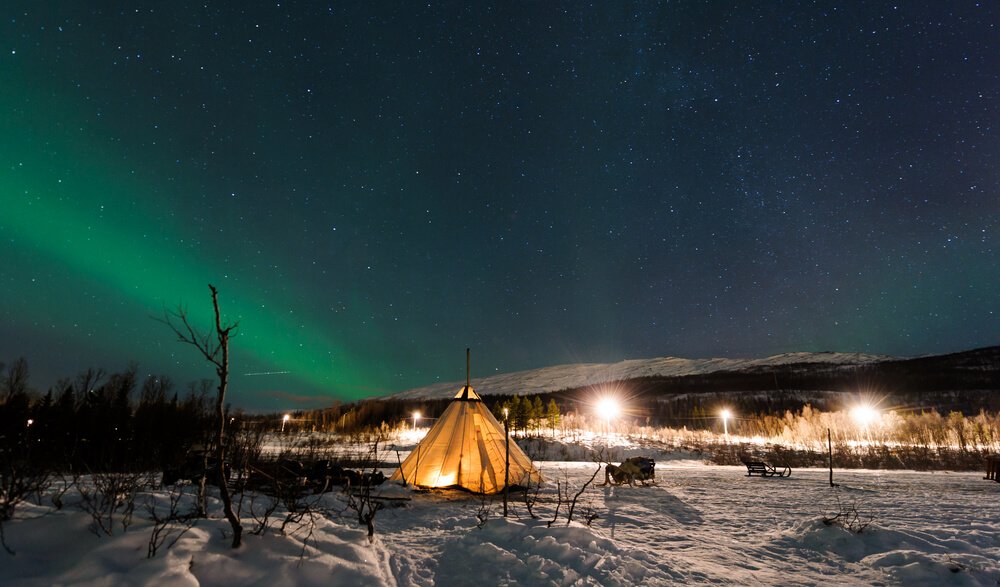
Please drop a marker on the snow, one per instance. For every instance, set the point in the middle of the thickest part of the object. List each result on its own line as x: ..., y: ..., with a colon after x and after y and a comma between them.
x: 700, y: 524
x: 580, y: 375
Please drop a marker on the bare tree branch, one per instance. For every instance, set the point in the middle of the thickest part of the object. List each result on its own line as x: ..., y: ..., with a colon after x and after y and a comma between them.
x: 214, y: 347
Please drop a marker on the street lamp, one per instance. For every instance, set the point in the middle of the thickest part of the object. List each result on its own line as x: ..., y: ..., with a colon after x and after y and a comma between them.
x: 726, y: 415
x: 865, y: 415
x: 609, y: 409
x: 284, y: 420
x: 416, y: 416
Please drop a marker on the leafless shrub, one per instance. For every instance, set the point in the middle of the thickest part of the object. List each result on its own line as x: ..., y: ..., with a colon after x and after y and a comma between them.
x: 171, y: 525
x: 301, y: 516
x: 850, y: 516
x: 18, y: 481
x: 360, y: 500
x: 559, y: 500
x: 365, y: 506
x: 261, y: 508
x: 530, y: 496
x: 589, y: 514
x: 572, y: 504
x: 108, y: 495
x: 60, y: 485
x: 245, y: 451
x: 484, y: 510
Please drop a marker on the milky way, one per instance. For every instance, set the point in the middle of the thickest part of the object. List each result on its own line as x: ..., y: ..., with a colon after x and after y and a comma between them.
x: 373, y: 186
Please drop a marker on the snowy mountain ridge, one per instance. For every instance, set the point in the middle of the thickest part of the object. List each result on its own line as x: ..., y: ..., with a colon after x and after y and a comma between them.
x: 580, y: 375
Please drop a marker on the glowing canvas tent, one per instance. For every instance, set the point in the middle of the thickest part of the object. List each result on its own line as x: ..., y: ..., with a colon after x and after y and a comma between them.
x: 465, y: 448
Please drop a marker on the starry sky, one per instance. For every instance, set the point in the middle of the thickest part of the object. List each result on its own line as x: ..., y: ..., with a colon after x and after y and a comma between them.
x: 374, y: 187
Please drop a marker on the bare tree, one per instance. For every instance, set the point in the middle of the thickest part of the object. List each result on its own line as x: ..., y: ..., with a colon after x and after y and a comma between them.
x: 214, y: 347
x: 16, y: 379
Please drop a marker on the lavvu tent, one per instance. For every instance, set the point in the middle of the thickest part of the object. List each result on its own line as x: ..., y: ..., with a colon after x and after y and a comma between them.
x: 466, y: 448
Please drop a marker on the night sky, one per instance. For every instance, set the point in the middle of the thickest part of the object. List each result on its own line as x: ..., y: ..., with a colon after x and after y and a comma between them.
x: 375, y: 186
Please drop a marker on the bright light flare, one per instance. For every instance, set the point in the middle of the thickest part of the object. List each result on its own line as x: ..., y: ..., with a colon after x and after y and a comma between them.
x: 865, y: 415
x: 725, y: 414
x: 609, y: 408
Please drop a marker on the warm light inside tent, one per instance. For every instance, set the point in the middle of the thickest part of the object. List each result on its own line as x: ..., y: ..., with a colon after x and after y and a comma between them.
x: 466, y: 447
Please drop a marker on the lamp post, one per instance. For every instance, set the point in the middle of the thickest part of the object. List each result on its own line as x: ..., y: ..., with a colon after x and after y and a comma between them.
x: 726, y: 414
x: 416, y: 416
x: 865, y: 415
x: 506, y: 468
x: 284, y: 420
x: 609, y: 409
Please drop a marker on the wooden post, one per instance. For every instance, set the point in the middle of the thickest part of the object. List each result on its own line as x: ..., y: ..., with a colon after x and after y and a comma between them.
x: 829, y: 447
x: 506, y: 467
x: 467, y: 378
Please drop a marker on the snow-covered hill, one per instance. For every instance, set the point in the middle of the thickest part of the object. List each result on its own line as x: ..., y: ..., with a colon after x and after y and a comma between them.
x: 581, y: 375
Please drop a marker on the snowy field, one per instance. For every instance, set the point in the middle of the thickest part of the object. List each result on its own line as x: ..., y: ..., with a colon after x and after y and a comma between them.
x: 699, y: 525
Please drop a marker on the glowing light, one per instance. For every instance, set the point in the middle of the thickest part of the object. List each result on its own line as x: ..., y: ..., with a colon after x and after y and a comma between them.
x: 416, y: 416
x: 609, y: 408
x: 726, y: 415
x: 284, y: 420
x: 865, y: 415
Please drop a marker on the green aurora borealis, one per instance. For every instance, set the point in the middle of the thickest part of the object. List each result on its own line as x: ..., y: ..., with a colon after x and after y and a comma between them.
x: 79, y: 233
x: 375, y: 188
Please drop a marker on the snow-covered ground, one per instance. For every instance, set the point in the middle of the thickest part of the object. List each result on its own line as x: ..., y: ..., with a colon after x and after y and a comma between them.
x: 699, y: 525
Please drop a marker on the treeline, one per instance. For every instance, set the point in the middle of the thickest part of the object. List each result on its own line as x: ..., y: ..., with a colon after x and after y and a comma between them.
x: 100, y: 421
x: 929, y: 429
x: 527, y: 415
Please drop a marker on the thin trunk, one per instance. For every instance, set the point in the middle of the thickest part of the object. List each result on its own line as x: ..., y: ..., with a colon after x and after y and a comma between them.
x: 220, y: 448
